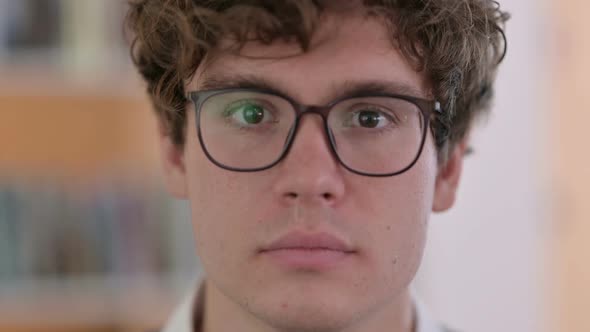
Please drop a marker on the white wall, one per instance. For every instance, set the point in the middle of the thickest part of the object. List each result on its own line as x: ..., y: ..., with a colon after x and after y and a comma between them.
x: 484, y: 267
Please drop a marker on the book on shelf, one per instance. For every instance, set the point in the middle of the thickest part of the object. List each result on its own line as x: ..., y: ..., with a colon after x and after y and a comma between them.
x: 78, y: 37
x: 50, y: 231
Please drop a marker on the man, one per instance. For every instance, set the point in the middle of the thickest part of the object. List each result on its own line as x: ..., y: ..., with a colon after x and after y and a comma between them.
x: 312, y: 140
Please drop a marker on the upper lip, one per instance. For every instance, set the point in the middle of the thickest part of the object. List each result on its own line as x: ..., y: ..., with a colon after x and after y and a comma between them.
x: 303, y: 240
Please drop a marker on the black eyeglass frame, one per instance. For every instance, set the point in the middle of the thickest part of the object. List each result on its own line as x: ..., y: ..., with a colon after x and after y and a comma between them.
x: 427, y: 107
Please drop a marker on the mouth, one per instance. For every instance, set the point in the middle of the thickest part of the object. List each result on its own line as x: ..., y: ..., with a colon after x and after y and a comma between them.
x: 310, y: 251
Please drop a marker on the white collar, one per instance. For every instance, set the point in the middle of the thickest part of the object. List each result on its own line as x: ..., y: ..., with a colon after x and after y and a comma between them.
x: 182, y: 319
x: 424, y: 320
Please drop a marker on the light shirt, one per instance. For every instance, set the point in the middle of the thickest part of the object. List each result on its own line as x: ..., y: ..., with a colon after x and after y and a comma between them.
x: 183, y: 318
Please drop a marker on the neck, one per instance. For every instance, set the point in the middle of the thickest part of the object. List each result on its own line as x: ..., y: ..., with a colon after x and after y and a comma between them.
x: 222, y: 314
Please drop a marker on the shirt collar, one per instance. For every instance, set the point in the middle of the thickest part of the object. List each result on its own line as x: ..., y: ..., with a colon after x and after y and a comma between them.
x: 184, y: 317
x: 424, y: 320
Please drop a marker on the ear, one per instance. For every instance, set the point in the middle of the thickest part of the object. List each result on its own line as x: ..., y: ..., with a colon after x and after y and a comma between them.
x: 173, y: 164
x: 447, y: 180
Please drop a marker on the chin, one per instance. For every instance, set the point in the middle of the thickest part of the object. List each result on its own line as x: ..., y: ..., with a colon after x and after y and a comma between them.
x: 310, y: 318
x: 311, y: 310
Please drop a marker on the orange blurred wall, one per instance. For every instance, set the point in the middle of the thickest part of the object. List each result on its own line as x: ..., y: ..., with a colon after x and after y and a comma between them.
x: 570, y: 127
x: 76, y: 134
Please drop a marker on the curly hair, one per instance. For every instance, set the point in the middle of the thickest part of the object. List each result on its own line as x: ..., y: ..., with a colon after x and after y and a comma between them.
x: 458, y: 44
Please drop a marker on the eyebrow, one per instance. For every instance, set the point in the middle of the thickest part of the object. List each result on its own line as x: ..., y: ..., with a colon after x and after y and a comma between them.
x: 336, y: 90
x: 236, y: 81
x: 378, y: 86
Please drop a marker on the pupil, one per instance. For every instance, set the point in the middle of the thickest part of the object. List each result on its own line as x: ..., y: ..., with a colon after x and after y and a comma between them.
x: 253, y: 114
x: 369, y: 119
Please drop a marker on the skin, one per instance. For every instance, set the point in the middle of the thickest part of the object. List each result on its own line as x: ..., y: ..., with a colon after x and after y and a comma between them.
x: 384, y: 219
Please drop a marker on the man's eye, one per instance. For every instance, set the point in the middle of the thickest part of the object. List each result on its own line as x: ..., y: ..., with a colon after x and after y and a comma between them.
x: 248, y: 114
x: 370, y: 119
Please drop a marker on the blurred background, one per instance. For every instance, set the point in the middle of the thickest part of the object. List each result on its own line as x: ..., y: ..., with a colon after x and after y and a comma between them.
x: 90, y: 241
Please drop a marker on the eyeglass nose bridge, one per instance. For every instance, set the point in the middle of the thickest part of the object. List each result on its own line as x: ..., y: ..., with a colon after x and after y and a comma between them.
x: 323, y: 112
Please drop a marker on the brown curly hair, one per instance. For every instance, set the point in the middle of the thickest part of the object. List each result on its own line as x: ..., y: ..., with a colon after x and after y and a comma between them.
x: 457, y: 43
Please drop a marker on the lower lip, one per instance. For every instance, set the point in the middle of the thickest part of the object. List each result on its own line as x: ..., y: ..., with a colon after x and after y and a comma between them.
x: 310, y: 259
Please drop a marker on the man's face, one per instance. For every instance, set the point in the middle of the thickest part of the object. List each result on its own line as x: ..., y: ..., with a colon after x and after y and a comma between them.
x: 382, y: 221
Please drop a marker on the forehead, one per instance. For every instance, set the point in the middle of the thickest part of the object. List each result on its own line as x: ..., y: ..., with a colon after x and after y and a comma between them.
x: 345, y: 49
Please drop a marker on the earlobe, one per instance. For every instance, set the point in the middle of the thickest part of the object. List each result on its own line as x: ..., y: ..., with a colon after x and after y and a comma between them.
x: 173, y: 165
x: 447, y: 180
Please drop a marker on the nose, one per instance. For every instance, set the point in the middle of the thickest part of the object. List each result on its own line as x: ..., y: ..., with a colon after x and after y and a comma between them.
x: 310, y: 172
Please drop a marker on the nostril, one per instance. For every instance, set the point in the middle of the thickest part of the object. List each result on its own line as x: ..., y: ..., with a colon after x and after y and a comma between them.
x: 293, y: 195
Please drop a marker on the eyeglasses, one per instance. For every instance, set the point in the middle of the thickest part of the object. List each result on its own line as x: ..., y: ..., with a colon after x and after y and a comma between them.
x: 249, y: 130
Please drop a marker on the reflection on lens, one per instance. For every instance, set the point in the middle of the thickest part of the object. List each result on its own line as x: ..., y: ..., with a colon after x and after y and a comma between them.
x: 245, y: 129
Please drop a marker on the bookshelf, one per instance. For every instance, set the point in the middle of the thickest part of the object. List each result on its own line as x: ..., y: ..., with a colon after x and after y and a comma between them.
x: 89, y: 240
x: 84, y: 221
x: 139, y: 304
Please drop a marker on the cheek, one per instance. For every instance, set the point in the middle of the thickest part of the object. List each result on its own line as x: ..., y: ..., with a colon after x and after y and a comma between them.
x: 403, y: 205
x: 225, y: 210
x: 400, y: 234
x: 215, y: 198
x: 219, y: 220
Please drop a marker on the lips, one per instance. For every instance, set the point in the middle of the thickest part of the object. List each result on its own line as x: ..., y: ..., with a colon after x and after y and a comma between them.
x: 298, y: 251
x: 309, y: 241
